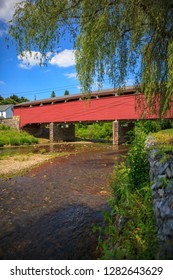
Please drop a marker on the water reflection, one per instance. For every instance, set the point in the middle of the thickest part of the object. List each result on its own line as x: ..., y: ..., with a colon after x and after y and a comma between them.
x: 48, y: 148
x: 58, y: 148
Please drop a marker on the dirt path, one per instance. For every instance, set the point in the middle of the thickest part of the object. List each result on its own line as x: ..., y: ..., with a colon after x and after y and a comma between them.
x: 49, y: 212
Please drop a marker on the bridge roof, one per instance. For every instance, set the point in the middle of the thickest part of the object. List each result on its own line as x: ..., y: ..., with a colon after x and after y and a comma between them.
x: 75, y: 97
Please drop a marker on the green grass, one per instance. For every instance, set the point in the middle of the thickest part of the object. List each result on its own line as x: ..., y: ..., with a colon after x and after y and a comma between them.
x: 164, y: 136
x: 13, y: 137
x: 164, y: 139
x: 4, y: 127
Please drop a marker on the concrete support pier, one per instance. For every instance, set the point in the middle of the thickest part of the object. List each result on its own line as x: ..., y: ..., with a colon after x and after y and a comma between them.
x: 120, y: 129
x: 61, y: 132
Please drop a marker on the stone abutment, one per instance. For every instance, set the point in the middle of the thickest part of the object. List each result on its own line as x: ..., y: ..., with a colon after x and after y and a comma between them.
x: 120, y: 131
x: 61, y: 132
x: 12, y: 122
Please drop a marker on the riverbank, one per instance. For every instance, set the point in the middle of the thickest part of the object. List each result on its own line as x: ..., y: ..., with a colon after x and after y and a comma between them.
x: 19, y: 163
x: 139, y: 225
x: 19, y: 160
x: 49, y: 212
x: 13, y: 137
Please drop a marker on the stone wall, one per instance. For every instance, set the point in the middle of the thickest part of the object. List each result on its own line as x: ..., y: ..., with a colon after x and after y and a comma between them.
x: 161, y: 177
x: 12, y: 122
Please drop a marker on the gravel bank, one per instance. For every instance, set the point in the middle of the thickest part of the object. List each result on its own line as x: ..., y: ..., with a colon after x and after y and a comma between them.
x: 18, y: 163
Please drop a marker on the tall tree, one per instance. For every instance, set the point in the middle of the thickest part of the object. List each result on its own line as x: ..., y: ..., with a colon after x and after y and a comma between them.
x: 1, y: 98
x: 112, y: 38
x: 66, y: 92
x: 53, y: 94
x: 22, y: 99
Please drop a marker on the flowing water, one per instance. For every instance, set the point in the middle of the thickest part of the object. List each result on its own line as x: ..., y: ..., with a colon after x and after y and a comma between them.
x: 49, y: 212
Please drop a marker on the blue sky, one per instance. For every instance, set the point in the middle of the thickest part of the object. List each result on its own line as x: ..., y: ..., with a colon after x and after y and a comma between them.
x: 33, y: 81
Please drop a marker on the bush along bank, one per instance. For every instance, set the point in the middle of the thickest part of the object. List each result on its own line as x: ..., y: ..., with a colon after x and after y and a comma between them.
x: 13, y: 137
x: 130, y: 227
x: 95, y: 131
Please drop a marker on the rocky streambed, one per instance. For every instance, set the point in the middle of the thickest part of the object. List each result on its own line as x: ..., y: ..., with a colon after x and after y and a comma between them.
x: 49, y: 212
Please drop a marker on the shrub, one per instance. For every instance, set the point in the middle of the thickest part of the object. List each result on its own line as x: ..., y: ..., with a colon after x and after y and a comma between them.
x: 148, y: 126
x: 130, y: 231
x: 4, y: 138
x: 15, y: 138
x: 34, y: 140
x: 25, y: 140
x: 4, y: 127
x: 94, y: 131
x: 14, y: 141
x: 137, y: 161
x: 1, y: 143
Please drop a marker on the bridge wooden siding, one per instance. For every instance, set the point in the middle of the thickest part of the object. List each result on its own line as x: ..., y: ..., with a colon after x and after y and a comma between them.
x: 103, y: 106
x: 125, y: 107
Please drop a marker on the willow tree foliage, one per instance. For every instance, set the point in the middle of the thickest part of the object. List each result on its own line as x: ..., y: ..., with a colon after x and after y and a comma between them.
x: 112, y: 38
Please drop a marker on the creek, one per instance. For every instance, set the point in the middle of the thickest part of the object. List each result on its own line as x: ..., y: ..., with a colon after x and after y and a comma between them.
x: 49, y: 212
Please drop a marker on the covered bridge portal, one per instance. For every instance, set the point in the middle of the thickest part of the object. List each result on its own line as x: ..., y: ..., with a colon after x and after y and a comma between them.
x: 62, y: 112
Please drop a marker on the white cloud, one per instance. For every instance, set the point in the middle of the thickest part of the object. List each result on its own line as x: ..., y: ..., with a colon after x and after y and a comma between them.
x: 30, y: 59
x: 129, y: 82
x: 7, y: 8
x: 46, y: 71
x: 64, y: 59
x: 2, y: 32
x: 79, y: 87
x: 71, y: 75
x: 2, y: 83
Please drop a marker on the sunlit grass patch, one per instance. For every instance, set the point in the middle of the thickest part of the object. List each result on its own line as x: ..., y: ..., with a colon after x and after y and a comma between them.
x: 13, y: 137
x: 164, y: 136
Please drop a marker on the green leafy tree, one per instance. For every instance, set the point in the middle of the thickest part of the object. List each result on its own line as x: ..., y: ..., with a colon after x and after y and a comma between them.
x: 8, y: 100
x: 22, y: 99
x: 66, y: 92
x: 13, y: 99
x: 53, y: 94
x: 112, y: 38
x: 1, y: 98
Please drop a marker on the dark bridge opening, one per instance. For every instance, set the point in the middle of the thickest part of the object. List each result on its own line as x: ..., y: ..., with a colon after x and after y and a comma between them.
x: 116, y: 132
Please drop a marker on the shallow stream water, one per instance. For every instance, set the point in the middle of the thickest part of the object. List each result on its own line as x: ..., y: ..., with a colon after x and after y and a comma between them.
x: 49, y: 212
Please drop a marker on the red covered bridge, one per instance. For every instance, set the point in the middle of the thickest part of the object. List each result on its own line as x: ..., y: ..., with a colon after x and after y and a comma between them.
x: 101, y: 106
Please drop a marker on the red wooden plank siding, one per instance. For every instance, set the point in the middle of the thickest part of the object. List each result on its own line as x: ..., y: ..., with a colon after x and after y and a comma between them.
x: 124, y: 107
